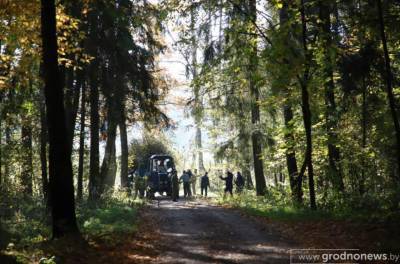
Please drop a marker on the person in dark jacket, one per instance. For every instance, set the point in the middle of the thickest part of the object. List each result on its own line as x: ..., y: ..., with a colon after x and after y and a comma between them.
x: 239, y: 182
x: 228, y: 182
x: 204, y: 184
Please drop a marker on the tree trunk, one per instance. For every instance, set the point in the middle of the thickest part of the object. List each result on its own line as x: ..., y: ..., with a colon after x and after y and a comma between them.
x: 255, y: 112
x: 390, y: 95
x: 198, y: 105
x: 27, y: 165
x: 43, y: 148
x: 124, y: 148
x: 72, y: 101
x: 60, y: 167
x: 81, y: 142
x: 306, y: 114
x: 94, y: 170
x: 109, y: 164
x: 244, y: 147
x: 291, y: 161
x: 199, y: 150
x: 364, y: 137
x: 244, y: 150
x: 335, y: 173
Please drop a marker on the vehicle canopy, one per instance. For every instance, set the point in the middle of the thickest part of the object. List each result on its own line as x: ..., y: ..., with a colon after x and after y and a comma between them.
x: 161, y: 163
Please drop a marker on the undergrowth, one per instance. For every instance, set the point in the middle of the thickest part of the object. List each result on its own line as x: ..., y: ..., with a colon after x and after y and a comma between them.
x: 25, y: 224
x: 278, y: 205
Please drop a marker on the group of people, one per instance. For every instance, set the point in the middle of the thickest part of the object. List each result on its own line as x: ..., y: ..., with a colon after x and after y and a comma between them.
x: 188, y: 179
x: 230, y: 180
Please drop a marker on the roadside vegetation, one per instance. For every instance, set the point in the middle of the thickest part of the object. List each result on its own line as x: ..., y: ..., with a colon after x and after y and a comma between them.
x: 26, y: 236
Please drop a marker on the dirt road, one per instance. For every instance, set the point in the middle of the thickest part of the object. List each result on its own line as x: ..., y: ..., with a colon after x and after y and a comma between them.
x: 197, y: 232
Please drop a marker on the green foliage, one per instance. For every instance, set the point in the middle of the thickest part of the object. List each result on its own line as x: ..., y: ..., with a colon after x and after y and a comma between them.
x: 277, y: 205
x: 114, y: 216
x: 26, y: 229
x: 140, y: 150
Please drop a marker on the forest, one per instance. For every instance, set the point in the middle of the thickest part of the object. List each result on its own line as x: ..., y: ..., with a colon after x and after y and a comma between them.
x: 302, y: 97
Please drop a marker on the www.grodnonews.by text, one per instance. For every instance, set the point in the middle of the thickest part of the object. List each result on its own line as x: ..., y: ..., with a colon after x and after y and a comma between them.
x: 303, y: 256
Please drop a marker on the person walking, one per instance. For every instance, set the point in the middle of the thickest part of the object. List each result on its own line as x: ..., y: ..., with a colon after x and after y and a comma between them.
x: 204, y: 184
x: 239, y: 182
x: 228, y: 182
x: 185, y: 179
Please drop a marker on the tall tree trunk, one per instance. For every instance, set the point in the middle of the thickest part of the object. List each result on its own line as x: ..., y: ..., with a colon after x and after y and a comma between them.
x: 94, y: 159
x: 199, y: 150
x: 198, y: 104
x: 244, y: 150
x: 244, y: 147
x: 81, y: 142
x: 27, y: 165
x: 306, y: 113
x: 335, y: 173
x: 390, y: 95
x: 73, y: 88
x: 255, y: 111
x: 60, y: 167
x: 109, y: 165
x: 291, y: 161
x: 364, y: 137
x: 94, y: 170
x: 43, y: 148
x: 124, y: 148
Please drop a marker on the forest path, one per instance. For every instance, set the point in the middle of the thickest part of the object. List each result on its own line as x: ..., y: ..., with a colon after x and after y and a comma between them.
x: 198, y: 232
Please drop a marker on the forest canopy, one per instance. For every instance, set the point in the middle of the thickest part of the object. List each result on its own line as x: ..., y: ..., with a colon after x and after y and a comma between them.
x: 301, y: 96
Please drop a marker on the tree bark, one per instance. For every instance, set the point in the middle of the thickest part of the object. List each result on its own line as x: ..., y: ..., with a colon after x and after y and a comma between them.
x: 198, y: 104
x: 291, y: 161
x: 109, y: 165
x: 255, y: 112
x: 124, y: 148
x: 60, y: 167
x: 43, y: 148
x: 94, y: 170
x: 27, y: 165
x: 81, y: 142
x: 364, y: 137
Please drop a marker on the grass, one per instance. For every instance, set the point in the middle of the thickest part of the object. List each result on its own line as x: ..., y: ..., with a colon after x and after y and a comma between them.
x: 277, y: 205
x: 26, y: 233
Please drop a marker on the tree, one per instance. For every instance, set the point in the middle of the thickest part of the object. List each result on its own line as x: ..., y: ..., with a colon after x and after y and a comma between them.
x: 305, y: 106
x: 60, y: 167
x: 255, y: 109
